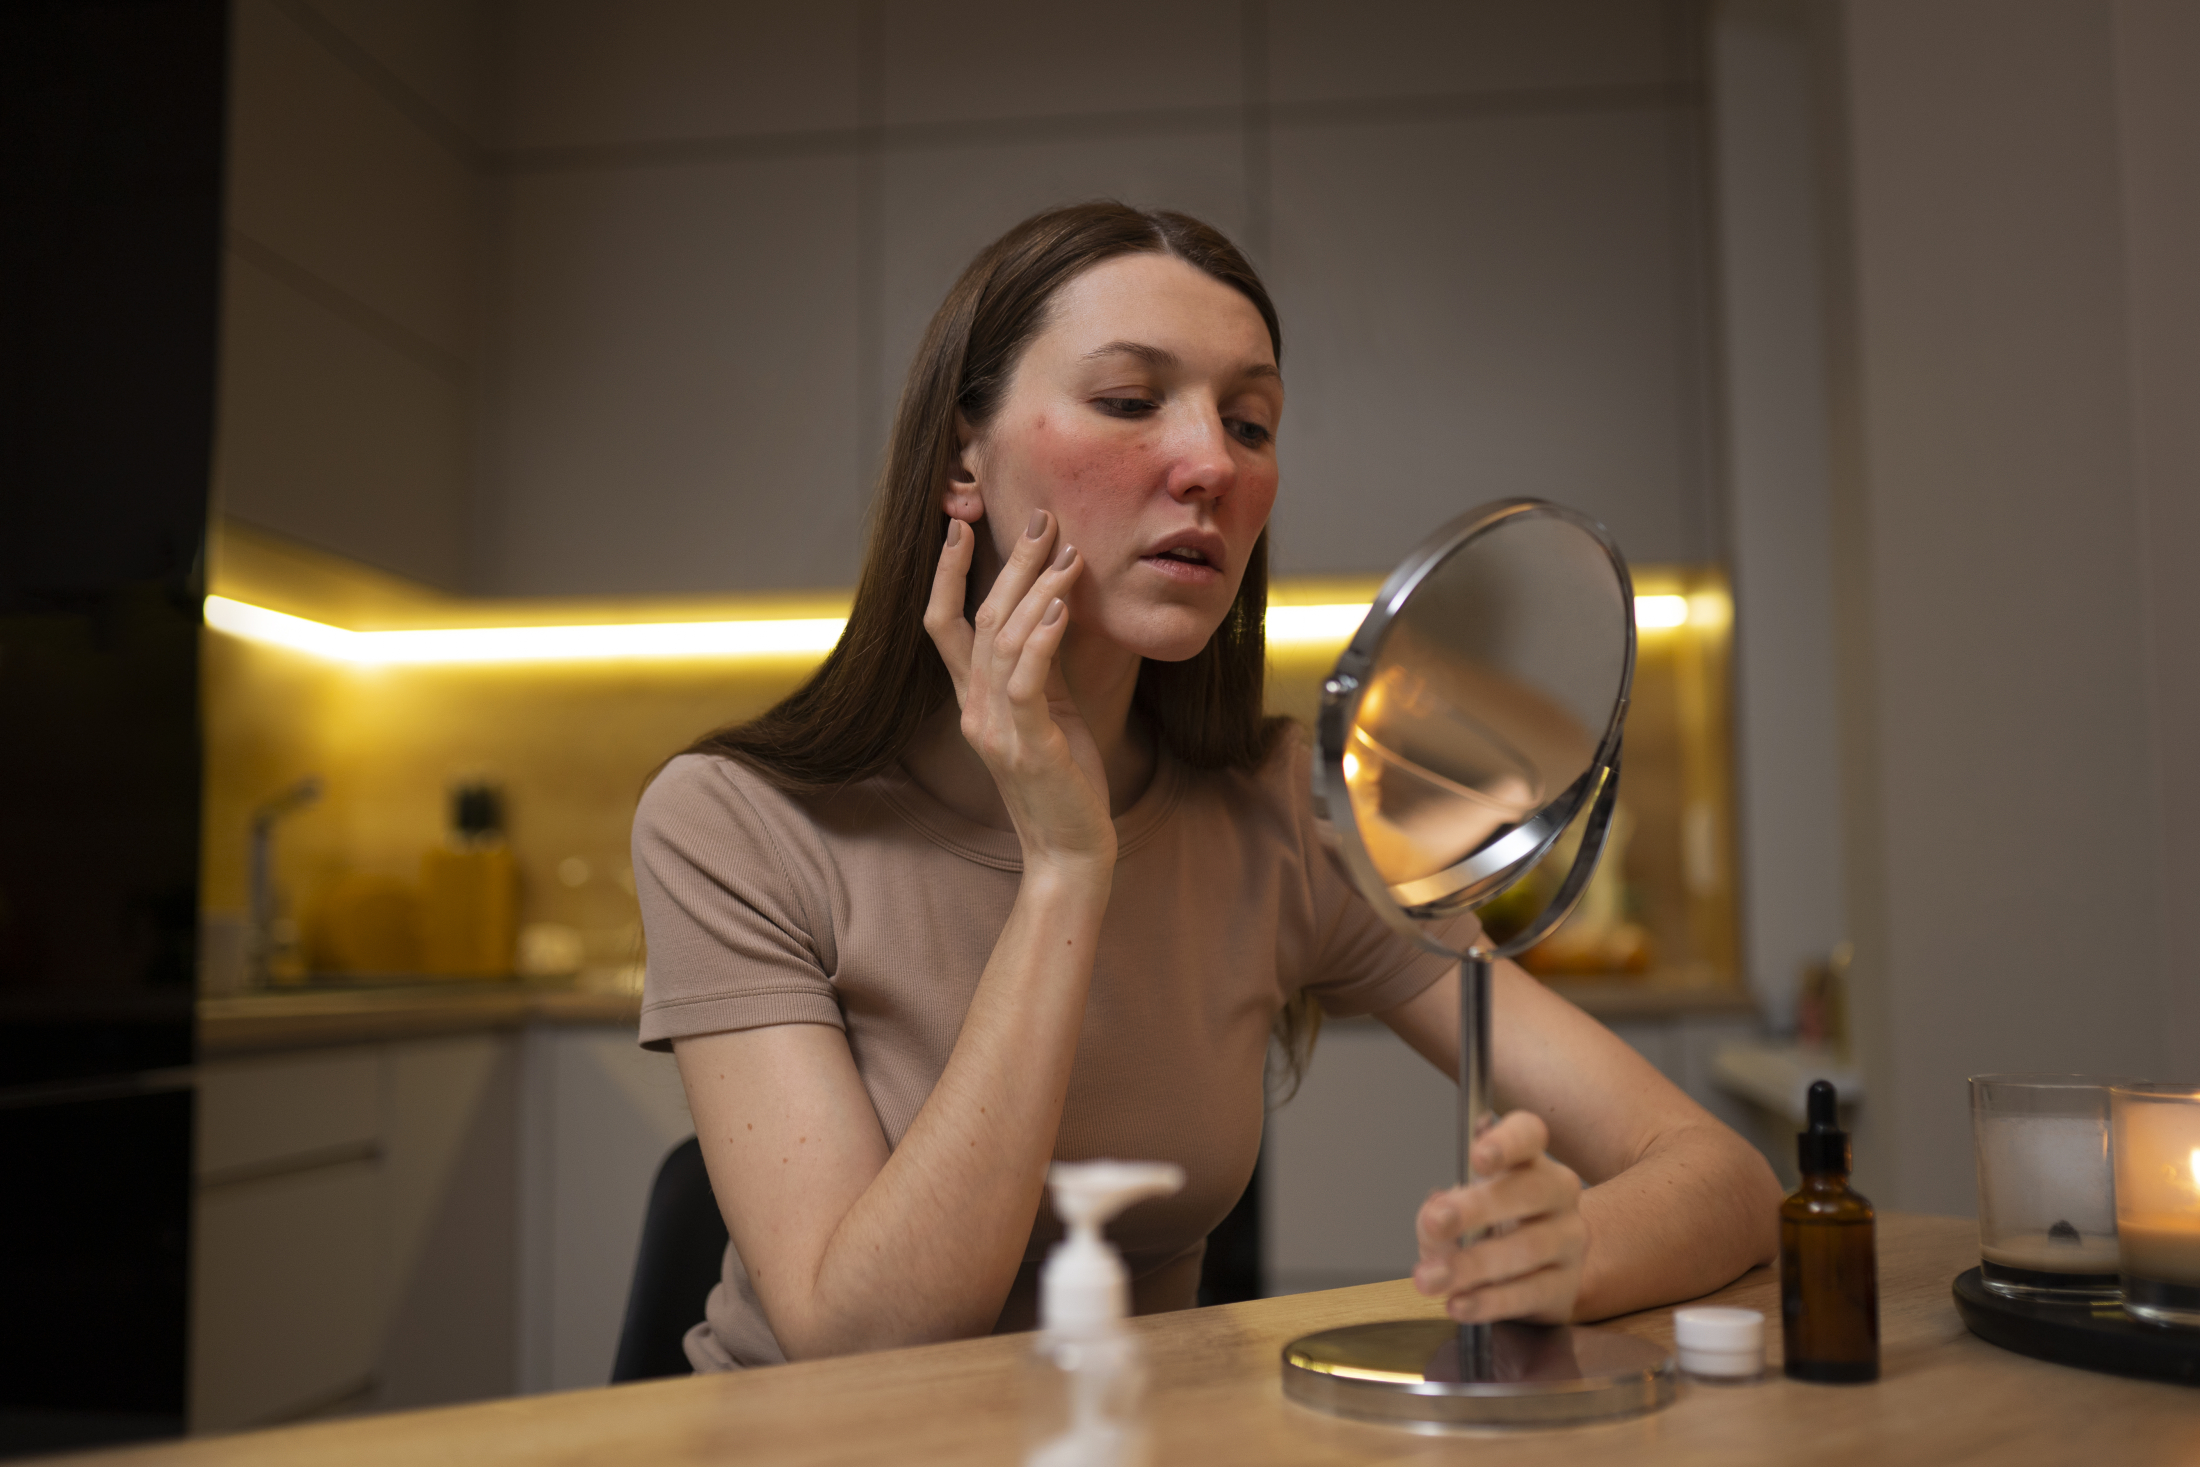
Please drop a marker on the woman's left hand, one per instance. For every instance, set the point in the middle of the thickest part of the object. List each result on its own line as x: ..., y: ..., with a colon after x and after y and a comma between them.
x: 1525, y: 1211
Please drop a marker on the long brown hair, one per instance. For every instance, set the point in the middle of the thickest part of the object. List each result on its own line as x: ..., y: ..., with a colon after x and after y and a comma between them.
x: 858, y: 711
x: 856, y: 714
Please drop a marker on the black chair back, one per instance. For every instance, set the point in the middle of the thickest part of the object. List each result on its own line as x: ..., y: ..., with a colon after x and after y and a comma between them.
x: 683, y: 1250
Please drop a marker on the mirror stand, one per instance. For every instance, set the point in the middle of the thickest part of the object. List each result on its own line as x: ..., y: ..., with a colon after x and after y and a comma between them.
x: 1475, y: 715
x: 1477, y: 1342
x: 1433, y: 1372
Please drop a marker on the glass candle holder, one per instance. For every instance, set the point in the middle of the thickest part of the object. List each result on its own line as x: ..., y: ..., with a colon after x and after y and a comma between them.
x: 2158, y: 1201
x: 2046, y: 1189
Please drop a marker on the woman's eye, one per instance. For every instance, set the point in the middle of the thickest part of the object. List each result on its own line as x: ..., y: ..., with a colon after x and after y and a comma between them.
x: 1252, y: 434
x: 1127, y: 407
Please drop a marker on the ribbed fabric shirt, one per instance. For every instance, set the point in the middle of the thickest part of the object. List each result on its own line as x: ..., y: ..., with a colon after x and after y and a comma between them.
x: 874, y: 910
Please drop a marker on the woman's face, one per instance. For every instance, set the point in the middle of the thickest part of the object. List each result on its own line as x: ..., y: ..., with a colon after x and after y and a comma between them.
x: 1144, y: 418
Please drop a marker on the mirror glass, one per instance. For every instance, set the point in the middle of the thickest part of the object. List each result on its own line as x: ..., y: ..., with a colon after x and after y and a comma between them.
x: 1491, y: 679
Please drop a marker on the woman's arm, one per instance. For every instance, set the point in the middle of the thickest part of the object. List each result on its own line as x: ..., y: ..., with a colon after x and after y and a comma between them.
x: 852, y: 1245
x: 1676, y: 1204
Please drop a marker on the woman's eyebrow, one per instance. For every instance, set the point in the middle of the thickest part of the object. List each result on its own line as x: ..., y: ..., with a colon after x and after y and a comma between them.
x: 1152, y: 356
x: 1159, y: 356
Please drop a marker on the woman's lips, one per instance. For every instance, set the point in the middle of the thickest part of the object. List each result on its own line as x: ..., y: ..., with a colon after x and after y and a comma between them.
x: 1183, y: 572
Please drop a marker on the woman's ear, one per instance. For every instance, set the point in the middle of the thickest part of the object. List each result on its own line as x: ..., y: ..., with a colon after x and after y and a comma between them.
x: 963, y: 499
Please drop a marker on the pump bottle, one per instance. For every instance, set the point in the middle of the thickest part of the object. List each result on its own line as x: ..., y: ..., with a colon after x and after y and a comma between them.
x: 1086, y: 1379
x: 1829, y: 1259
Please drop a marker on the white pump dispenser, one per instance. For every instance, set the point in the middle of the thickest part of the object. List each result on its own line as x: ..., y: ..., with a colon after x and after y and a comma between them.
x: 1088, y: 1381
x: 1085, y: 1285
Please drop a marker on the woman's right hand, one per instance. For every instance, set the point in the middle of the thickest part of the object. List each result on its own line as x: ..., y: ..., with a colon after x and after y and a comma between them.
x: 1017, y: 712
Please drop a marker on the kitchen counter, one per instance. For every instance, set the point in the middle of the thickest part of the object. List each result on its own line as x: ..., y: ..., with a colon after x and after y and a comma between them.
x: 1946, y: 1396
x: 308, y: 1017
x: 311, y: 1018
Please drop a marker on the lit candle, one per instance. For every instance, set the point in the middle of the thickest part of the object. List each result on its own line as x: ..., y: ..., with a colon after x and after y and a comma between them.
x: 2158, y: 1201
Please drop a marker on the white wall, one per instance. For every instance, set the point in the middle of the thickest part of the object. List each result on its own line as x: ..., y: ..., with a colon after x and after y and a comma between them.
x: 2014, y: 354
x: 1767, y: 178
x: 579, y: 296
x: 719, y: 231
x: 2158, y: 119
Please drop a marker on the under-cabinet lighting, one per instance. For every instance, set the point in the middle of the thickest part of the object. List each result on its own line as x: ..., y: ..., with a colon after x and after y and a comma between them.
x: 1288, y: 626
x: 782, y: 636
x: 1314, y: 626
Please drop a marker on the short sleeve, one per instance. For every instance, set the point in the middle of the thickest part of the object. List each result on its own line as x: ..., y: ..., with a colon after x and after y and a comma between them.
x: 734, y: 940
x: 1357, y: 964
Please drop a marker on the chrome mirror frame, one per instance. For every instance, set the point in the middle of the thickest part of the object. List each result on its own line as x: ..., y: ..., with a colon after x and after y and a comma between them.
x: 1494, y: 867
x: 1426, y: 1372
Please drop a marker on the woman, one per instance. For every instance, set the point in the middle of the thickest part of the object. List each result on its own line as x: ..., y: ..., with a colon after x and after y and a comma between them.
x: 1034, y: 879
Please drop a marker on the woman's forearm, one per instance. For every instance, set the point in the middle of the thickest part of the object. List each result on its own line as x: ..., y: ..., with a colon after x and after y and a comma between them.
x: 931, y: 1247
x: 1698, y: 1209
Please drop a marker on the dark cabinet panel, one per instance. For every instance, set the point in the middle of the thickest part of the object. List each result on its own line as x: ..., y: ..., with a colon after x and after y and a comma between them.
x: 111, y: 135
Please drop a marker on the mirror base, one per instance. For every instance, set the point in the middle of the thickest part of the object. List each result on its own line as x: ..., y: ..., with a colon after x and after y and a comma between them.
x: 1406, y: 1373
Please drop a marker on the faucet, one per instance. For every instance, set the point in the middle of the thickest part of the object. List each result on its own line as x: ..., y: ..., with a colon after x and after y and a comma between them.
x: 261, y: 939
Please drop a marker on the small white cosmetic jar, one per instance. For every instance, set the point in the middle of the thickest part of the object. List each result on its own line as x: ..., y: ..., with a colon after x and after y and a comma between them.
x: 1720, y: 1344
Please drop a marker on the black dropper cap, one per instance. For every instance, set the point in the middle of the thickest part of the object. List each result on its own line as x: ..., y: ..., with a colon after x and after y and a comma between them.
x: 477, y: 811
x: 1824, y: 1147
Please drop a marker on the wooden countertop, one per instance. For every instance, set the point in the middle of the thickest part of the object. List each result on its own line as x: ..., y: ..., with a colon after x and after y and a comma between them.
x: 309, y: 1018
x: 1945, y: 1397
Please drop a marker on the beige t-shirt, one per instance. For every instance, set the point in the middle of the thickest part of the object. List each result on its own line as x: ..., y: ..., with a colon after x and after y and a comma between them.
x: 874, y: 909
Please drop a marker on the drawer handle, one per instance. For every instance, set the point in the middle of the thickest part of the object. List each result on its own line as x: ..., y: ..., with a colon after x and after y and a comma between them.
x: 284, y: 1166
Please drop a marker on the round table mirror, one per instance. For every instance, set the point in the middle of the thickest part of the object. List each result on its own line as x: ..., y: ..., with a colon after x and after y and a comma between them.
x: 1473, y: 719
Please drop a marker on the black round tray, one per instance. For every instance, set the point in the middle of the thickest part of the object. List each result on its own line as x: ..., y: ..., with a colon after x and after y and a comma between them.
x: 2094, y: 1336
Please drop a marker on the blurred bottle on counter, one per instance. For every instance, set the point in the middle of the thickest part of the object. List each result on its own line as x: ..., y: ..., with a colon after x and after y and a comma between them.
x: 364, y: 924
x: 1822, y: 1004
x: 469, y: 891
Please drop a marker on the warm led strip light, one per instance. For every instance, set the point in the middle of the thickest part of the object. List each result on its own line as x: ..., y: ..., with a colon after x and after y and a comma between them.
x: 1288, y: 626
x: 798, y: 637
x: 789, y: 636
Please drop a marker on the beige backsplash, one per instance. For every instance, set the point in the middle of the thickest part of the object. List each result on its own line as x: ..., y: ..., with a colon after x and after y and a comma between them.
x: 571, y: 744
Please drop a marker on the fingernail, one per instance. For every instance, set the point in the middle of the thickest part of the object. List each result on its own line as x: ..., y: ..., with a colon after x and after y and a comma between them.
x: 954, y: 534
x: 1062, y: 560
x: 1054, y: 613
x: 1038, y: 525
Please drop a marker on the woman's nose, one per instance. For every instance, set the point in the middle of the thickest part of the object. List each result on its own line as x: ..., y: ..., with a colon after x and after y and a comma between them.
x: 1202, y: 466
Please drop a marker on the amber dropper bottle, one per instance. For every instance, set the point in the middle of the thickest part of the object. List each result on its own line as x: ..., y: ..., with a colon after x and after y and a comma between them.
x: 1829, y: 1259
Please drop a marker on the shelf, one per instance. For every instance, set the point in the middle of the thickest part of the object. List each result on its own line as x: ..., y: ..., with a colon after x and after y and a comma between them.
x: 1647, y: 998
x: 1778, y: 1076
x: 307, y: 1018
x: 1618, y: 999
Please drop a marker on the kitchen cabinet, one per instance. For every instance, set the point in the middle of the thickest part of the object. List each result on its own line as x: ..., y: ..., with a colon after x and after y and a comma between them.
x: 1374, y: 1128
x: 353, y: 1230
x: 285, y: 1234
x: 419, y: 1220
x: 601, y: 1113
